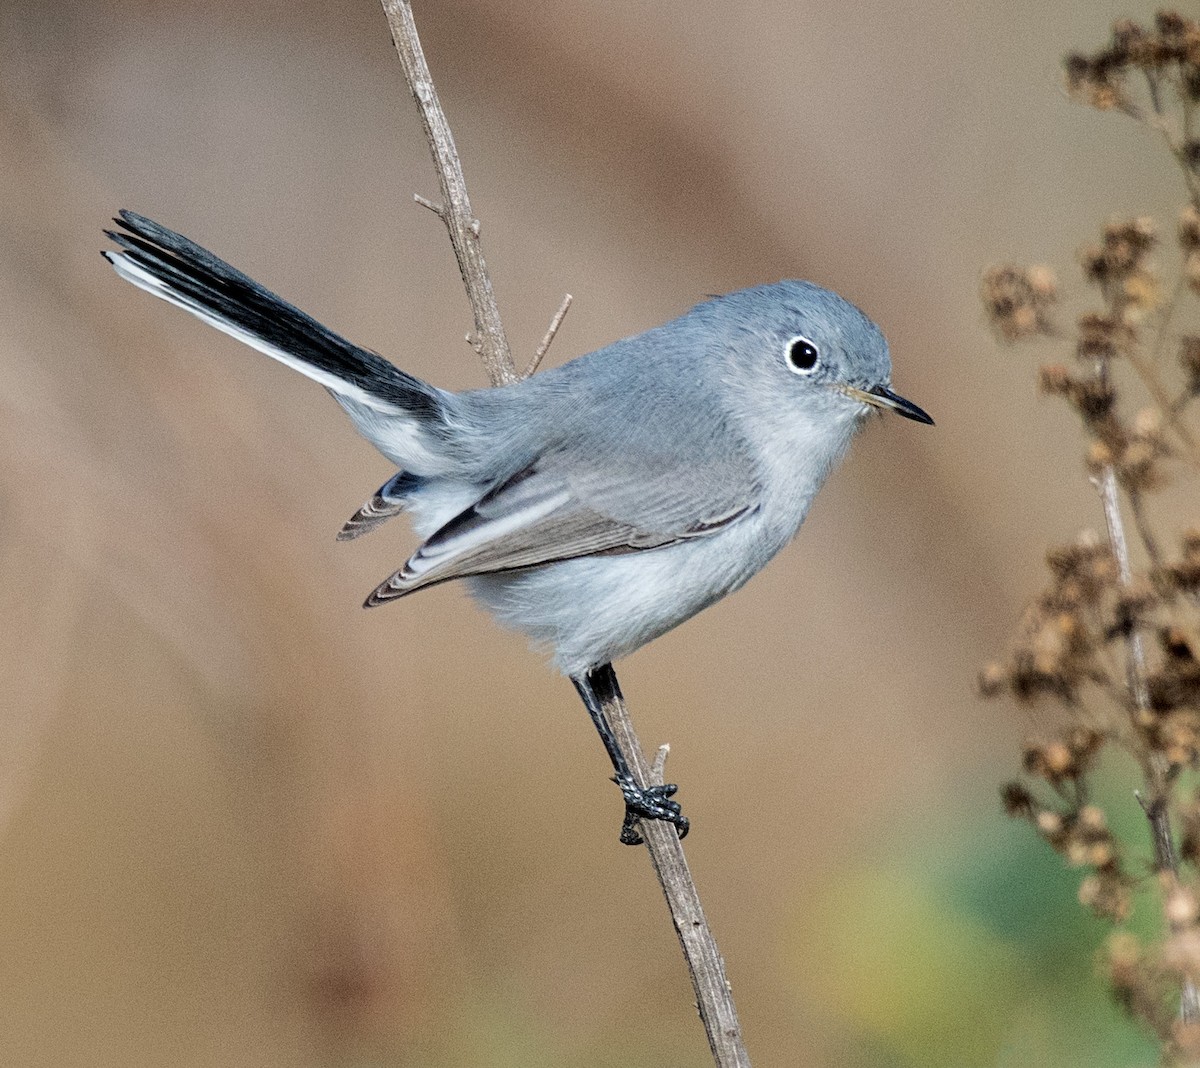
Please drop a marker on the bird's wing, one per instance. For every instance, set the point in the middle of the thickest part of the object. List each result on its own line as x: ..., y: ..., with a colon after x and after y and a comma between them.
x: 553, y: 511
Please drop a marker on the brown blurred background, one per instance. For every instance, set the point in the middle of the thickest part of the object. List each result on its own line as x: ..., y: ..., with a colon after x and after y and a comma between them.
x: 246, y: 823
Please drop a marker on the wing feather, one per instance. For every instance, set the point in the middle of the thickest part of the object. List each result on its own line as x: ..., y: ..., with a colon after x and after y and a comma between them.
x: 539, y: 517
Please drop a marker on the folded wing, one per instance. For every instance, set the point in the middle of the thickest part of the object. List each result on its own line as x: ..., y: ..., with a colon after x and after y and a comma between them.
x: 546, y: 513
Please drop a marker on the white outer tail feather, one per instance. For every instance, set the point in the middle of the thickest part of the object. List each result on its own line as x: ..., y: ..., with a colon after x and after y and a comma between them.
x: 393, y: 431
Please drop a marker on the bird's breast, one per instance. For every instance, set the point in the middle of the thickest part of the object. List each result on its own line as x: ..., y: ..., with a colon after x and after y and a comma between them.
x: 794, y: 460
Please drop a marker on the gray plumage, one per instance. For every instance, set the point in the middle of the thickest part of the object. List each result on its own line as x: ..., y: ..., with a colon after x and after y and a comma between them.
x: 596, y: 505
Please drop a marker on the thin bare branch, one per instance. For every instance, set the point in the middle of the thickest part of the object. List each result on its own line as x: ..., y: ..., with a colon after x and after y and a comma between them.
x: 1137, y: 505
x: 425, y: 202
x: 659, y: 769
x: 713, y: 996
x: 1157, y: 774
x: 1148, y: 374
x: 456, y: 212
x: 1135, y: 646
x: 551, y: 330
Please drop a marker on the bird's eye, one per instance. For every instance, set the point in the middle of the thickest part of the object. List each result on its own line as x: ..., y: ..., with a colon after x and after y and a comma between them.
x: 802, y: 355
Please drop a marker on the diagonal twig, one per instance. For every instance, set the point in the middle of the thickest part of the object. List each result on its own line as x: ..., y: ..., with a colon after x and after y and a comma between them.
x: 1166, y: 860
x: 705, y: 965
x: 455, y: 210
x: 714, y: 998
x: 551, y: 331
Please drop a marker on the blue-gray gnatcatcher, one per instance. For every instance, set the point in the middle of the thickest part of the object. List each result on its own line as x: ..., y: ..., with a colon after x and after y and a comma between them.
x: 596, y: 505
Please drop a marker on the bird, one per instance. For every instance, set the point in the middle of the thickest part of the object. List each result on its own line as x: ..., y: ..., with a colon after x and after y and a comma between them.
x: 598, y: 504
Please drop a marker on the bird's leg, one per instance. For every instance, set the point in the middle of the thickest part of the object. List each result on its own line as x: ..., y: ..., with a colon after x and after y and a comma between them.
x: 596, y: 687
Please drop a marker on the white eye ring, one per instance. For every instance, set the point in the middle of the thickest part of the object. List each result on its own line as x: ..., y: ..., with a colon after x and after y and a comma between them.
x: 802, y: 356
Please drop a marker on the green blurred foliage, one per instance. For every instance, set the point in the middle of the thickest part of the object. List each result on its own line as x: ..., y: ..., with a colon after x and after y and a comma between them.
x: 967, y: 946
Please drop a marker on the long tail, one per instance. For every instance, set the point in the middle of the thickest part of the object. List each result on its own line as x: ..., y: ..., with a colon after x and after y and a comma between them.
x: 402, y: 416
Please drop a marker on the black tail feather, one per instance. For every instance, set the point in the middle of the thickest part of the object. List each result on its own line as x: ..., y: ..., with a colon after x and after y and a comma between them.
x: 225, y: 293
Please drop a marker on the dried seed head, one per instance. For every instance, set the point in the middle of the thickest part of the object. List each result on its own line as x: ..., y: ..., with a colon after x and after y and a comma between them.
x: 1018, y: 801
x: 1091, y: 819
x: 1076, y: 852
x: 1079, y: 73
x: 1057, y: 760
x: 1054, y: 379
x: 1180, y: 906
x: 1175, y: 683
x: 1055, y: 651
x: 1138, y: 465
x: 1051, y: 647
x: 1170, y: 23
x: 1176, y: 735
x: 1179, y: 644
x: 1049, y: 824
x: 1089, y: 840
x: 1129, y: 239
x: 1139, y: 469
x: 992, y: 680
x: 1094, y: 263
x: 1097, y: 81
x: 1017, y: 301
x: 1099, y: 456
x: 1106, y: 895
x: 1128, y: 38
x: 1086, y: 561
x: 1142, y: 294
x: 1134, y: 602
x: 1191, y: 40
x: 1148, y: 425
x: 1065, y: 758
x: 1085, y: 743
x: 1101, y: 337
x: 1181, y: 953
x: 1168, y: 54
x: 1120, y: 258
x: 1184, y: 573
x: 1093, y: 398
x: 1042, y: 282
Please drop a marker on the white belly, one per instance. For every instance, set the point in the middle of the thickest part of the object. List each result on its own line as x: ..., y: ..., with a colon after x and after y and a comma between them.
x: 594, y: 610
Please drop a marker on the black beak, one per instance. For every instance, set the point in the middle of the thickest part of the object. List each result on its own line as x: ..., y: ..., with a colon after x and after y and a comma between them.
x: 882, y: 397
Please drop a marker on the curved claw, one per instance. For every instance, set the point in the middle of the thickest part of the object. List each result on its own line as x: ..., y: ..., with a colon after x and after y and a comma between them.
x: 650, y: 803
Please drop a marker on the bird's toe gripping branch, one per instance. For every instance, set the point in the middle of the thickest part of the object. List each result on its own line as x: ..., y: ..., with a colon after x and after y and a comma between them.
x: 649, y: 803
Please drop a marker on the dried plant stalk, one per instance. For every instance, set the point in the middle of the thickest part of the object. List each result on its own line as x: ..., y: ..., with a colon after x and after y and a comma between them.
x: 1109, y: 653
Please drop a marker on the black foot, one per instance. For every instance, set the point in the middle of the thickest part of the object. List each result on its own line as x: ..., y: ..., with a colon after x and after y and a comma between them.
x: 651, y: 803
